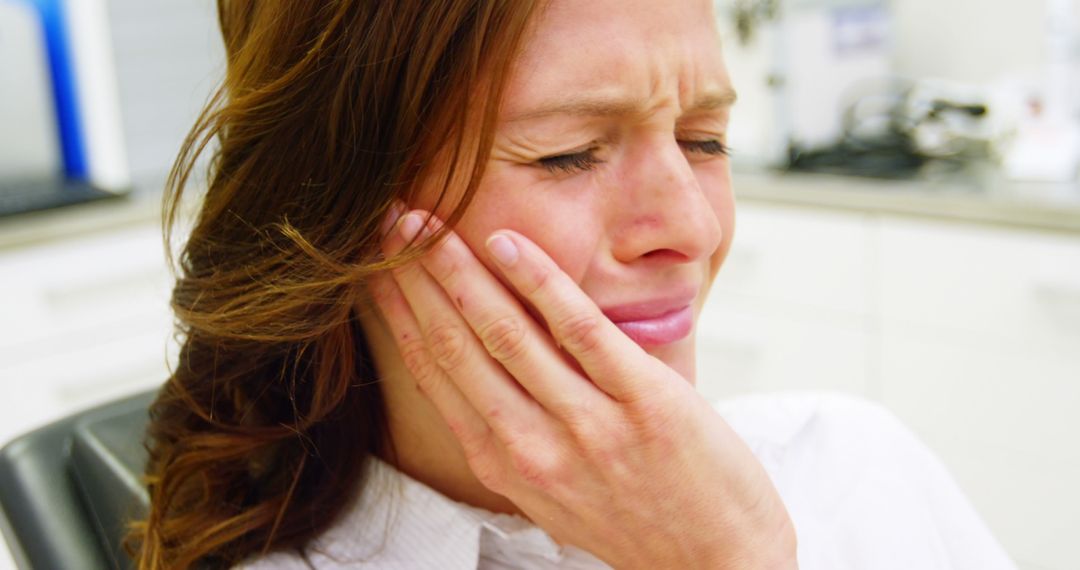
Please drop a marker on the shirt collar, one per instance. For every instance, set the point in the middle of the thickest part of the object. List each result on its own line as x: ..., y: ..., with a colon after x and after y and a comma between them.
x: 398, y: 522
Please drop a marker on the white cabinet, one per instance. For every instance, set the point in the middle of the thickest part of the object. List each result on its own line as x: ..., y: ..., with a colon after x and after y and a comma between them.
x: 1003, y: 416
x: 969, y: 333
x: 789, y: 306
x: 1011, y: 284
x: 83, y: 321
x: 749, y: 348
x: 980, y: 354
x: 807, y: 262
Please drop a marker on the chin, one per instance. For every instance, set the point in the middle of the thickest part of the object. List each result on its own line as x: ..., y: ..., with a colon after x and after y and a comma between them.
x: 680, y: 356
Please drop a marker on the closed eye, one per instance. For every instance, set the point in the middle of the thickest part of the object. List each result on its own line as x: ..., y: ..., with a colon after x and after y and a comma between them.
x: 585, y: 160
x: 570, y: 162
x: 711, y: 147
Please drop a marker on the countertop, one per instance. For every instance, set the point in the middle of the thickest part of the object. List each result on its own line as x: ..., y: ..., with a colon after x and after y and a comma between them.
x: 985, y: 199
x: 79, y: 220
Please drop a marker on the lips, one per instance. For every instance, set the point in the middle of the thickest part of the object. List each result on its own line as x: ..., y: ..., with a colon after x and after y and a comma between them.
x: 657, y: 321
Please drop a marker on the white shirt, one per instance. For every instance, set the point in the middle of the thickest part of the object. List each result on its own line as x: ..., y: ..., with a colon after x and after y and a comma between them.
x: 863, y: 492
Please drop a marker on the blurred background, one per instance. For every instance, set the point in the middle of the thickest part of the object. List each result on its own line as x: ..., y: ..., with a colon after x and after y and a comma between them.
x: 908, y: 222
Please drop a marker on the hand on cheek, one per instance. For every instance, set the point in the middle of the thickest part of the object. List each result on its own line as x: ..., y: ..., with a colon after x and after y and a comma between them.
x: 593, y: 450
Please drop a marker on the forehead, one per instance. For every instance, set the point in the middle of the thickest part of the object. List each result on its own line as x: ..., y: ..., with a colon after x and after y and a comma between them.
x: 656, y: 52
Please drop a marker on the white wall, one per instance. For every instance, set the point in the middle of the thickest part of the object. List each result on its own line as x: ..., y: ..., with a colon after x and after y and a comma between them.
x: 969, y: 40
x: 169, y: 57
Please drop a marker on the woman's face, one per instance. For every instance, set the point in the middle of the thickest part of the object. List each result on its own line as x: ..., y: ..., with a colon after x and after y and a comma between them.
x: 609, y: 154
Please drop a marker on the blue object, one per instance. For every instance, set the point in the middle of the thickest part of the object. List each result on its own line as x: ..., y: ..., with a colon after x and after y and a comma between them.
x: 65, y: 95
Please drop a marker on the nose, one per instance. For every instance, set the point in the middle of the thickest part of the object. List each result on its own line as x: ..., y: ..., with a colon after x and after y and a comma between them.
x: 664, y: 213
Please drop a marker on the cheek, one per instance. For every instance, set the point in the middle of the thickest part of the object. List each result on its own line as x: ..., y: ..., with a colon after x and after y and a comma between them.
x: 566, y: 225
x: 722, y: 200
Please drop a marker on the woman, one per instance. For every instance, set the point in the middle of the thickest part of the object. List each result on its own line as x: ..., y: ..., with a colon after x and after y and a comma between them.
x: 438, y: 311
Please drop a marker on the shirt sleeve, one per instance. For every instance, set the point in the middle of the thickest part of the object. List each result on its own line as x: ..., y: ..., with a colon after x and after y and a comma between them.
x: 861, y: 488
x: 274, y: 561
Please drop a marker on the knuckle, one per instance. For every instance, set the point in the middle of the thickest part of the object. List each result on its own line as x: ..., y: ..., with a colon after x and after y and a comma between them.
x: 475, y: 445
x: 496, y: 417
x: 418, y: 361
x: 579, y: 332
x: 608, y: 451
x: 490, y: 475
x: 407, y: 272
x: 661, y: 410
x: 484, y: 463
x: 379, y: 289
x: 443, y: 267
x: 540, y: 278
x: 582, y: 425
x: 538, y: 468
x: 448, y: 345
x: 504, y: 338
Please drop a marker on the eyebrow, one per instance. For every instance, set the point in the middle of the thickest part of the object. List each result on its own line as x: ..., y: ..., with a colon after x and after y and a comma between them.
x: 602, y: 106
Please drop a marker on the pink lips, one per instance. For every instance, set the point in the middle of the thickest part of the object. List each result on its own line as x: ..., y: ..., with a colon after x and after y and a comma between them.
x: 656, y: 322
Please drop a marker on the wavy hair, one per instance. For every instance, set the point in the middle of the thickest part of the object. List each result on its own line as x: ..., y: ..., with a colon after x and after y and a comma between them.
x: 329, y: 111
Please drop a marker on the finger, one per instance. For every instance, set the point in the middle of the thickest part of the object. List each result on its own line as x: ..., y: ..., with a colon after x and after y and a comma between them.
x: 613, y: 361
x: 464, y: 421
x: 509, y: 334
x: 501, y: 402
x: 488, y: 458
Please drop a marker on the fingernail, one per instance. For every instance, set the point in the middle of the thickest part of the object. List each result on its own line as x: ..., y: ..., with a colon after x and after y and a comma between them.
x: 392, y: 215
x: 503, y: 249
x: 410, y: 226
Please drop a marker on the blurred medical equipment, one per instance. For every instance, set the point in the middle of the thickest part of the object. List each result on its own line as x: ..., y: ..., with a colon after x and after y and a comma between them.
x: 61, y: 140
x: 794, y: 63
x: 29, y: 145
x: 1047, y: 143
x: 818, y: 93
x: 68, y: 489
x: 898, y: 129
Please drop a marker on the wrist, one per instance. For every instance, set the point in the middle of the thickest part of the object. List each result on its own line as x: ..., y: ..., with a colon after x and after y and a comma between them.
x: 773, y: 549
